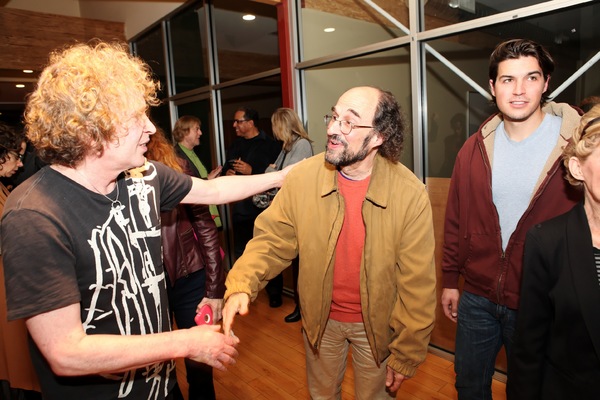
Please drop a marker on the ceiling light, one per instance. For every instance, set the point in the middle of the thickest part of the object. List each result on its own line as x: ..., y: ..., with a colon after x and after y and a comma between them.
x: 20, y: 85
x: 328, y: 30
x: 28, y: 71
x: 249, y: 17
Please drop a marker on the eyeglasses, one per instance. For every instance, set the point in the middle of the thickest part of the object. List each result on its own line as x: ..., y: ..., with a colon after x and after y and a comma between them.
x: 18, y: 155
x: 239, y: 121
x: 345, y: 126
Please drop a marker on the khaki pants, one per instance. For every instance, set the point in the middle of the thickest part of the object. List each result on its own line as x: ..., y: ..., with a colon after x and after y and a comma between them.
x: 325, y: 368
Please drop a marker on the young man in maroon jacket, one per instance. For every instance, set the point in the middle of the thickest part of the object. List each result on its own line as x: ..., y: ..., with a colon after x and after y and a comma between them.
x: 507, y: 177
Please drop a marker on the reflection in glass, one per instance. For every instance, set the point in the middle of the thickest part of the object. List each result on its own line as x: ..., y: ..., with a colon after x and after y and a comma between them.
x: 149, y: 48
x: 189, y: 49
x: 389, y: 70
x: 447, y: 12
x: 354, y: 23
x: 245, y: 47
x: 569, y: 35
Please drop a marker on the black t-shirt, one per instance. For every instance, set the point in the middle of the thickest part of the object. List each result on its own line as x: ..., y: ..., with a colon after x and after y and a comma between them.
x: 63, y: 244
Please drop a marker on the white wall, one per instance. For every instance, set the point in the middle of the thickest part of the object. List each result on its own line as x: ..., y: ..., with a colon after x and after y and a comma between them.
x: 137, y: 15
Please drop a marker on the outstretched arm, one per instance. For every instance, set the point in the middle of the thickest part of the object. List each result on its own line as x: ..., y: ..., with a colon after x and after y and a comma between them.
x: 70, y: 351
x: 226, y: 189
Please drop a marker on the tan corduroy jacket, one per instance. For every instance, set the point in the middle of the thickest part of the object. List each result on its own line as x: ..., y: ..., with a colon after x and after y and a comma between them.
x: 397, y: 275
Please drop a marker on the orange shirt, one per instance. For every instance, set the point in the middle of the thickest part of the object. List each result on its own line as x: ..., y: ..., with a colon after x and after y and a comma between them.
x: 345, y: 305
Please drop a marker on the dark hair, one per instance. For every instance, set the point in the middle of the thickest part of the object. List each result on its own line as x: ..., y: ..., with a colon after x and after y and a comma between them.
x: 250, y: 114
x: 517, y: 48
x: 10, y: 140
x: 389, y: 123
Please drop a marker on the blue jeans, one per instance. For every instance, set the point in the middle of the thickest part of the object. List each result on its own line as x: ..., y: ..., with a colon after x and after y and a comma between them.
x: 184, y: 297
x: 483, y: 327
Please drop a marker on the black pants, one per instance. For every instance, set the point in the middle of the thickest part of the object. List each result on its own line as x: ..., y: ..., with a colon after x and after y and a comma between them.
x: 184, y: 297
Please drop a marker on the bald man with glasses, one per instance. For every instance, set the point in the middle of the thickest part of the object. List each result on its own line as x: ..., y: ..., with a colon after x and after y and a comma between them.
x: 361, y: 224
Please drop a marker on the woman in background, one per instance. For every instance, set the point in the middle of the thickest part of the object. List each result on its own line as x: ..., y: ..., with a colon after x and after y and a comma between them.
x: 556, y: 348
x: 19, y: 380
x: 186, y: 135
x: 192, y: 259
x: 288, y: 129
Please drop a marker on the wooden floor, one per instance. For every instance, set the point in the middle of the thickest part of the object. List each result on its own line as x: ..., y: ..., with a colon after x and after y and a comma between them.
x: 271, y: 363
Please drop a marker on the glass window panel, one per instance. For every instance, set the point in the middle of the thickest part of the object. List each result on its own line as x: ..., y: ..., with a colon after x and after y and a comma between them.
x: 263, y: 95
x: 161, y: 117
x: 149, y: 48
x: 571, y: 37
x: 189, y: 49
x: 245, y: 47
x: 447, y: 12
x: 389, y: 70
x: 355, y: 22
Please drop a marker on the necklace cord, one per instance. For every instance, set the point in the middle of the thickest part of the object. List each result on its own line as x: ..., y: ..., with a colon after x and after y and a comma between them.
x: 114, y: 203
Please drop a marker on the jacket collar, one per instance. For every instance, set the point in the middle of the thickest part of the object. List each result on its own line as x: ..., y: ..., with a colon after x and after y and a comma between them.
x: 582, y: 267
x: 570, y: 121
x: 380, y: 178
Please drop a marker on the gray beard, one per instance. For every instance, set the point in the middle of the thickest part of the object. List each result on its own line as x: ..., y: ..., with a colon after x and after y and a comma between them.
x: 346, y: 158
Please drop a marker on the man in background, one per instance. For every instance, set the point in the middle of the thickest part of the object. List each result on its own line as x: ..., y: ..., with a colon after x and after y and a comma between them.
x: 250, y: 154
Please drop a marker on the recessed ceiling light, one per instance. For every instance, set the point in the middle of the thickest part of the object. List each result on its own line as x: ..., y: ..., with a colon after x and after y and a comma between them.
x: 329, y: 30
x: 20, y: 85
x: 28, y: 71
x: 249, y: 17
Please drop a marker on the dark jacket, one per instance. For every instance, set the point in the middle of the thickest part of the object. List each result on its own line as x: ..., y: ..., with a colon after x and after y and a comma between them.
x: 259, y: 151
x: 556, y: 350
x: 191, y: 243
x: 472, y: 239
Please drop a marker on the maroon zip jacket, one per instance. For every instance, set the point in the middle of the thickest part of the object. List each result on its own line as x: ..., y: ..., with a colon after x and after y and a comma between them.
x: 472, y: 240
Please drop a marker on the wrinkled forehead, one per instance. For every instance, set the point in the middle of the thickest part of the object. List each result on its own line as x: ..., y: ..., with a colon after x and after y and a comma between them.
x: 360, y: 102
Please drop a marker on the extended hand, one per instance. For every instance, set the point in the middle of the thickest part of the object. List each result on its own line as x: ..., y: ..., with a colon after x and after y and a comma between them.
x: 212, y: 347
x: 237, y: 303
x: 214, y: 173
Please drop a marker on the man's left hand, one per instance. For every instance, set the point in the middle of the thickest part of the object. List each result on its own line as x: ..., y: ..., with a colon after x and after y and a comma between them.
x: 242, y: 167
x: 393, y: 380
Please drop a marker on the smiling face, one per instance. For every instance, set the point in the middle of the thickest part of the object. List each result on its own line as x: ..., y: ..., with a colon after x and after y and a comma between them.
x: 13, y: 162
x: 192, y: 137
x: 518, y: 89
x: 358, y: 107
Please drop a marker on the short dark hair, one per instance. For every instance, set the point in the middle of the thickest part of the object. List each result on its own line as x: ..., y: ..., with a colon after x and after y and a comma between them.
x: 517, y: 48
x: 389, y: 123
x: 250, y: 114
x: 11, y: 140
